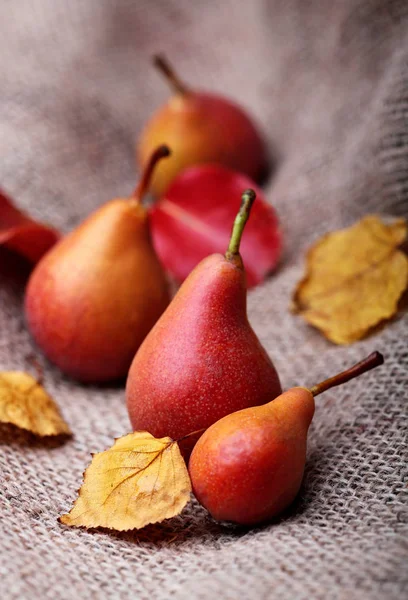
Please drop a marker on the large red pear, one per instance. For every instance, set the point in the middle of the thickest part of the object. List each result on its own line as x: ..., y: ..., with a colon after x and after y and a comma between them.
x: 202, y: 360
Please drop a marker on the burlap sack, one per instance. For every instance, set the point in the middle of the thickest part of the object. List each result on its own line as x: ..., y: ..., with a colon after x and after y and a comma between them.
x: 328, y: 82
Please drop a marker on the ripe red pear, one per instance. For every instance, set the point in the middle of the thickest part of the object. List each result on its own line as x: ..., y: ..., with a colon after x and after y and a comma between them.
x: 201, y: 128
x: 93, y: 298
x: 188, y: 372
x: 248, y: 467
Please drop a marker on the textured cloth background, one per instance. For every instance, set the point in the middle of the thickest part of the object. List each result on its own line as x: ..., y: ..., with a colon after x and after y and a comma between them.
x: 328, y: 82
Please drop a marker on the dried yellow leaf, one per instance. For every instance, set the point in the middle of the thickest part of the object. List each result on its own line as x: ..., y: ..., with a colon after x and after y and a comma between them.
x: 355, y: 278
x: 26, y: 404
x: 138, y: 481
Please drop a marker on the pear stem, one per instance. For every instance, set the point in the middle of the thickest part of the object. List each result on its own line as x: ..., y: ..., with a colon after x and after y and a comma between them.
x: 184, y: 437
x: 247, y: 200
x: 373, y: 360
x: 143, y: 185
x: 163, y: 65
x: 33, y: 360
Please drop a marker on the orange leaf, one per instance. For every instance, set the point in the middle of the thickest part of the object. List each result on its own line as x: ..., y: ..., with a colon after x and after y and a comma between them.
x: 355, y: 278
x: 25, y: 403
x: 23, y: 235
x: 139, y: 480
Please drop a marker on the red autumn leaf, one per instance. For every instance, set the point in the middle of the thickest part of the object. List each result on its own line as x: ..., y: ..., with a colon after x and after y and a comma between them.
x: 195, y: 217
x: 24, y: 235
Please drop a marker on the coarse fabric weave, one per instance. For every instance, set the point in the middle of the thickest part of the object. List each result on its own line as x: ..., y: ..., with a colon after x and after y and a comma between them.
x: 328, y: 84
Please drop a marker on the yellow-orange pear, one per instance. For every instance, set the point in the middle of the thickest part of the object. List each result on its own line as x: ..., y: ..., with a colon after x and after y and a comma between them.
x: 201, y: 128
x: 248, y: 467
x: 93, y: 298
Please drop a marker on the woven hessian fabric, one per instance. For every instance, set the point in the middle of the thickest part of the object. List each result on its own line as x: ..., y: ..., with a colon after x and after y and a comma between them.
x: 328, y: 83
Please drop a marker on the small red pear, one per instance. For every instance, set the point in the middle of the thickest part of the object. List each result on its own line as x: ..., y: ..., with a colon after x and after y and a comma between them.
x: 201, y: 128
x: 93, y: 297
x: 248, y: 467
x: 188, y: 372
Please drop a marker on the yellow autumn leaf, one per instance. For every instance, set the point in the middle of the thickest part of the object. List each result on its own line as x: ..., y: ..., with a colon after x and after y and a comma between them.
x: 26, y: 404
x: 354, y: 280
x: 138, y: 481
